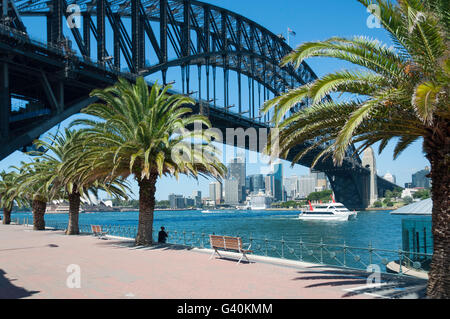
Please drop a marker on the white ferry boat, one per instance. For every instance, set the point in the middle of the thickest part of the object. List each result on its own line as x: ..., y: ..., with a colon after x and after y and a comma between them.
x: 57, y: 209
x: 331, y: 211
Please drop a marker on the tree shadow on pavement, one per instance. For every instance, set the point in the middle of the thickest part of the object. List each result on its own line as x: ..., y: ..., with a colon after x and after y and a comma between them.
x: 129, y: 244
x: 389, y: 286
x: 10, y: 291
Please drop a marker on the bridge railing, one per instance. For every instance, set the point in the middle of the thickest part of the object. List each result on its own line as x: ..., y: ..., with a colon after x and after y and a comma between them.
x: 342, y: 255
x: 58, y: 49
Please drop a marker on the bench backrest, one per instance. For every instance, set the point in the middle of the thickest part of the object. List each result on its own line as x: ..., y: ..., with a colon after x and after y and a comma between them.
x: 225, y: 242
x: 96, y: 228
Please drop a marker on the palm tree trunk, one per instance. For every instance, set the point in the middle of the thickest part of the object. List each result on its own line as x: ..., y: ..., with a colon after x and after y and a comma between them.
x: 38, y: 214
x: 438, y: 153
x: 6, y: 216
x: 147, y: 189
x: 74, y: 210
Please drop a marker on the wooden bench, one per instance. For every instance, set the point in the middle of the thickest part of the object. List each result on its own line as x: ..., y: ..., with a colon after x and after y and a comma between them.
x: 97, y: 231
x: 228, y: 243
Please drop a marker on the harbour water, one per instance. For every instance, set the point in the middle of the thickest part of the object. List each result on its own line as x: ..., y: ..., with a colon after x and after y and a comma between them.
x: 273, y: 233
x: 377, y: 227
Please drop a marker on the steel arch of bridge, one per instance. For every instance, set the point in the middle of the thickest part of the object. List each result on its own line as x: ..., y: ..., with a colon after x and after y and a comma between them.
x: 190, y: 33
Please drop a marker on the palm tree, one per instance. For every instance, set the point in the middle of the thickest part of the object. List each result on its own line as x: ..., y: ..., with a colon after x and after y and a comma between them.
x: 400, y: 94
x: 67, y: 170
x: 144, y: 134
x: 8, y: 195
x: 35, y: 183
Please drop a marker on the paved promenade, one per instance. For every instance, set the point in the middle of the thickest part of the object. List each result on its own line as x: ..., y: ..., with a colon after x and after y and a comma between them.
x: 34, y: 265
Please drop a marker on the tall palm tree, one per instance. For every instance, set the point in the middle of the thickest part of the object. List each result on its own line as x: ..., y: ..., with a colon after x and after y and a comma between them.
x: 144, y: 134
x: 400, y: 94
x: 67, y: 170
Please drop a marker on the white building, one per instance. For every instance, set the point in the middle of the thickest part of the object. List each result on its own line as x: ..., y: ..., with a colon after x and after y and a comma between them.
x: 408, y: 192
x: 259, y: 201
x: 389, y: 177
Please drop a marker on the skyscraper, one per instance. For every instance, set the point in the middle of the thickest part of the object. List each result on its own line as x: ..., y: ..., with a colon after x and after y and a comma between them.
x: 257, y: 183
x: 197, y: 195
x: 278, y: 182
x: 290, y: 185
x: 176, y: 201
x: 232, y: 192
x: 237, y: 171
x: 274, y: 182
x: 420, y: 179
x: 215, y: 192
x: 306, y: 185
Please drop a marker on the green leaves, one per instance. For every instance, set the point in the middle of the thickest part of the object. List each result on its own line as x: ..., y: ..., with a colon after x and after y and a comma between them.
x: 397, y: 94
x: 138, y: 129
x: 425, y: 100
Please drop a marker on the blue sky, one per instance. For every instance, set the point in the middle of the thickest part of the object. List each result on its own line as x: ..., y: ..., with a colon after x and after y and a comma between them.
x: 312, y: 21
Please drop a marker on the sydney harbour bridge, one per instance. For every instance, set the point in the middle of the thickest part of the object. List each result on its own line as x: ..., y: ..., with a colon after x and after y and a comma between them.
x: 87, y: 44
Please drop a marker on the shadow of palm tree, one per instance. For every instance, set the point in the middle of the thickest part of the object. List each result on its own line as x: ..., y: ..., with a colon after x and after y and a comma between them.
x: 10, y: 291
x: 390, y: 286
x: 130, y: 245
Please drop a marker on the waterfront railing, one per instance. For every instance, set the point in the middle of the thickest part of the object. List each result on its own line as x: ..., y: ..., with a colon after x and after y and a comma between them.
x: 338, y: 255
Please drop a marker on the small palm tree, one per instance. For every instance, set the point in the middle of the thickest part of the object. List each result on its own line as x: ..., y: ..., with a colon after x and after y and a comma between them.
x: 8, y: 194
x: 35, y: 184
x: 68, y: 172
x: 144, y: 134
x: 400, y: 94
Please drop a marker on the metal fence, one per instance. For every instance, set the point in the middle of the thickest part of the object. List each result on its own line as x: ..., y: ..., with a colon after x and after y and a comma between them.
x: 340, y: 255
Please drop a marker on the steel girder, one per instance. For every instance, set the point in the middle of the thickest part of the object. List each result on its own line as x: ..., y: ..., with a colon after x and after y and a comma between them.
x: 190, y: 33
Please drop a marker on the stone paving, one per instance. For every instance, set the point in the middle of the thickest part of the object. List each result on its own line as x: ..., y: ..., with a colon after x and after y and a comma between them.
x: 45, y: 264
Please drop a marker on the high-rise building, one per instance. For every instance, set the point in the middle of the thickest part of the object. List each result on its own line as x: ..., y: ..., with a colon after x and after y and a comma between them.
x: 176, y: 201
x: 268, y: 185
x: 420, y: 179
x: 278, y: 182
x: 232, y: 192
x: 274, y: 183
x: 306, y: 185
x: 256, y: 183
x: 215, y: 192
x: 290, y: 185
x: 237, y: 171
x: 189, y: 202
x: 197, y: 195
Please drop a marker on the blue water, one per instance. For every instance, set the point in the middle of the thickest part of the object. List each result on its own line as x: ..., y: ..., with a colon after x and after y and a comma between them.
x: 382, y: 230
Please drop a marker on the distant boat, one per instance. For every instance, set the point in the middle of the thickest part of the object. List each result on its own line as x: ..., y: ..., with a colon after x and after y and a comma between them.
x: 207, y: 211
x: 327, y: 212
x: 58, y: 209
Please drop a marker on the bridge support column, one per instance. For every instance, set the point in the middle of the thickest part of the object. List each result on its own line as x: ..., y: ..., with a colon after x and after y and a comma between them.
x: 350, y: 188
x: 5, y: 101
